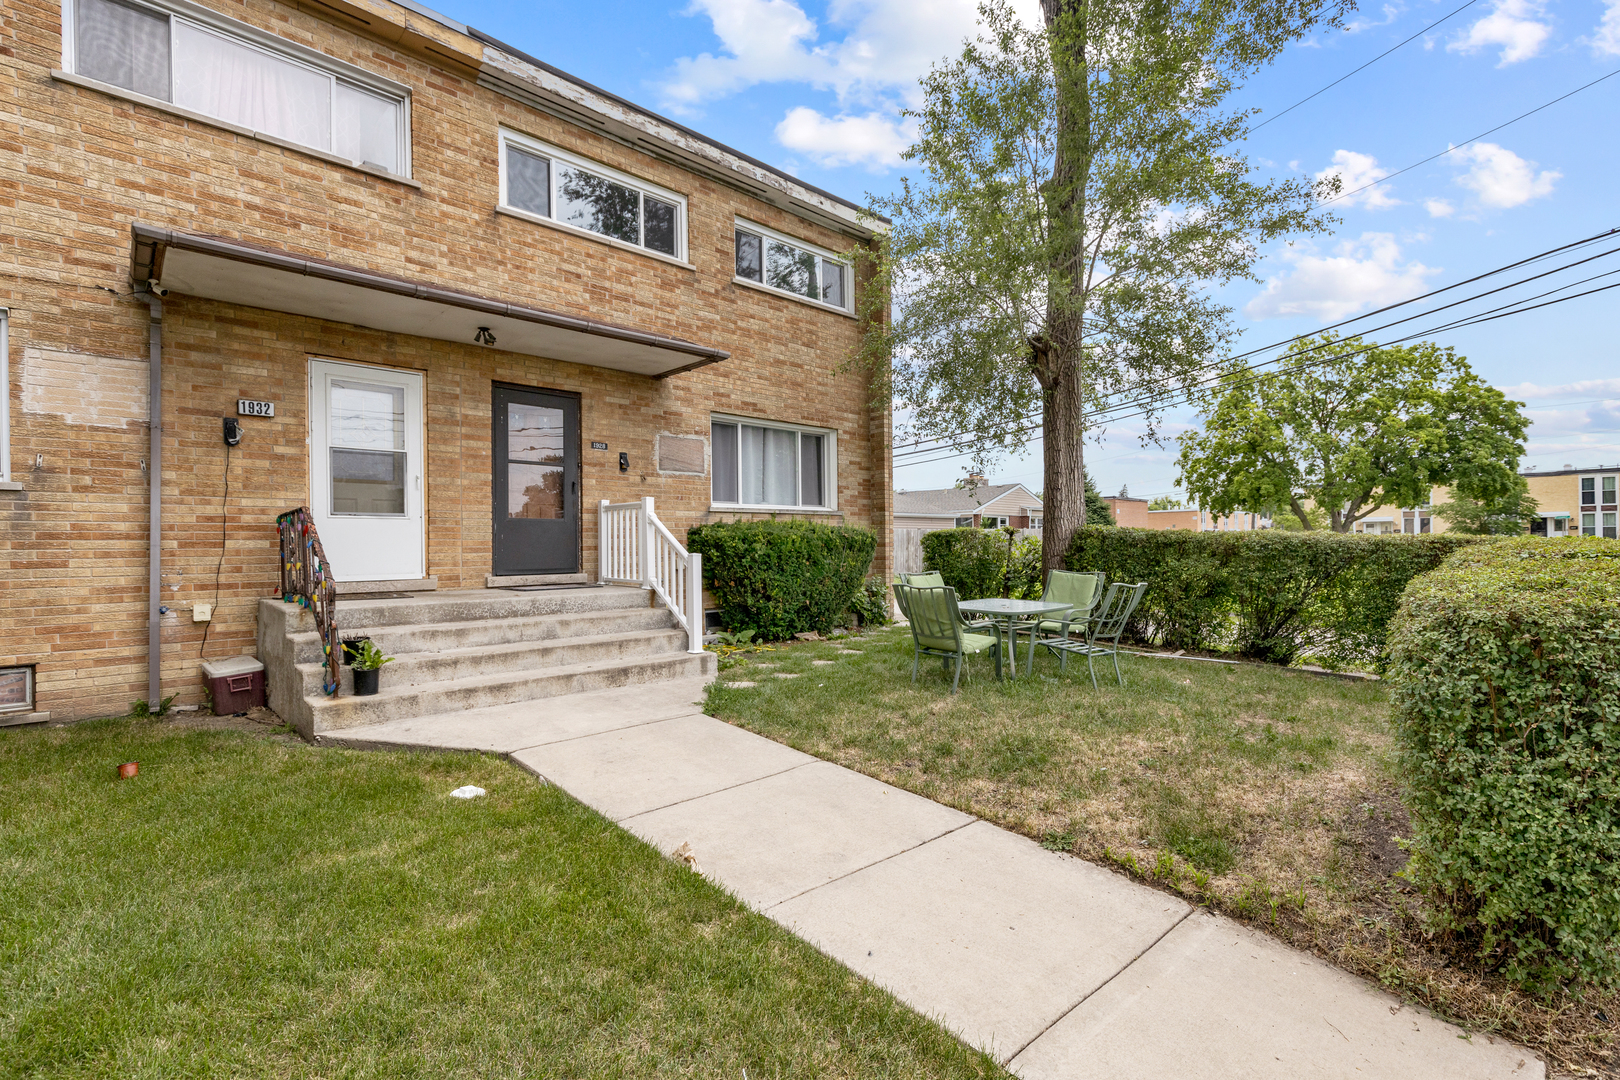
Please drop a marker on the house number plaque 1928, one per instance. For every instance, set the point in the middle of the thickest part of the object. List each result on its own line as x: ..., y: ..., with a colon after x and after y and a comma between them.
x: 244, y: 407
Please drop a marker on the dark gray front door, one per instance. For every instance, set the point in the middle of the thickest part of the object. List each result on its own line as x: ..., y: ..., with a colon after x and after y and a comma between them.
x: 536, y: 456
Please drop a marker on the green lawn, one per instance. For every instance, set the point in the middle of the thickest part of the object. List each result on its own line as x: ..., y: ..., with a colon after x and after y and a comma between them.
x: 1265, y: 793
x: 251, y: 906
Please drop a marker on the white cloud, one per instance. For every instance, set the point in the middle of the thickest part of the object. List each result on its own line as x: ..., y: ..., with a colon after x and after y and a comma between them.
x: 875, y: 53
x: 1362, y: 273
x: 1582, y: 420
x: 1606, y: 42
x: 1355, y: 171
x: 767, y: 39
x: 874, y: 140
x: 1516, y: 25
x: 1439, y: 207
x: 1503, y: 179
x: 1356, y: 26
x: 1586, y: 388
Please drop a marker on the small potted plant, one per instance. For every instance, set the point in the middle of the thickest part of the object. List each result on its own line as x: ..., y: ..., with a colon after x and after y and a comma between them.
x: 352, y: 648
x: 368, y: 661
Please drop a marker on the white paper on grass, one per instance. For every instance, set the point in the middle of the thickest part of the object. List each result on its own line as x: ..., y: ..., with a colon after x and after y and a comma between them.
x: 468, y: 792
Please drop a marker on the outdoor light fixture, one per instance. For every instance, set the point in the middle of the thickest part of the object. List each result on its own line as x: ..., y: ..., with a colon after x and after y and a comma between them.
x: 484, y: 336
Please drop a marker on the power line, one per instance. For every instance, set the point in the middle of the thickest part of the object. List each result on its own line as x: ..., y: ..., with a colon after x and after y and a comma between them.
x: 1363, y: 67
x: 1473, y: 320
x: 1548, y: 253
x: 1112, y: 412
x: 1466, y: 142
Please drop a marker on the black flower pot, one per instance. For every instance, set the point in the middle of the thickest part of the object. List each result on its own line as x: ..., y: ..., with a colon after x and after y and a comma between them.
x: 351, y: 649
x: 365, y: 682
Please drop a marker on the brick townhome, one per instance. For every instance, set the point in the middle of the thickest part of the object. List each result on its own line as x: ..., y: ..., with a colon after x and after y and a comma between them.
x: 479, y: 295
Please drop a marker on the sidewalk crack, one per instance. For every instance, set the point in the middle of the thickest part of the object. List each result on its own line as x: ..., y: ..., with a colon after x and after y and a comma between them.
x: 869, y: 865
x: 1007, y: 1062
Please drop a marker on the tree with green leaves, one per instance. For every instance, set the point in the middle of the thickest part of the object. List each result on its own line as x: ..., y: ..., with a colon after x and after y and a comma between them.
x: 1509, y: 515
x: 1079, y: 199
x: 1341, y: 427
x: 1165, y: 502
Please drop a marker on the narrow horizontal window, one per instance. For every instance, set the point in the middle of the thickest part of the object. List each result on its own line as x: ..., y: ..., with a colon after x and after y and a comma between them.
x: 546, y: 182
x: 792, y: 267
x: 769, y: 466
x: 236, y: 77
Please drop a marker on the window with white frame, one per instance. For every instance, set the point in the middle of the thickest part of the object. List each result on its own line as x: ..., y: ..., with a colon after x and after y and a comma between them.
x: 541, y: 181
x: 792, y: 266
x: 1599, y: 489
x: 206, y: 63
x: 992, y: 521
x: 776, y: 466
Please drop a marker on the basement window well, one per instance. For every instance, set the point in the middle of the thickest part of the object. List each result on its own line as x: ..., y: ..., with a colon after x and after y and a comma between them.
x: 16, y: 689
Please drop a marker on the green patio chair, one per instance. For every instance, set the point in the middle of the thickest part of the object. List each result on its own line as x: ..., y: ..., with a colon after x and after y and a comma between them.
x: 1080, y: 591
x: 1102, y: 630
x: 937, y: 630
x: 932, y: 579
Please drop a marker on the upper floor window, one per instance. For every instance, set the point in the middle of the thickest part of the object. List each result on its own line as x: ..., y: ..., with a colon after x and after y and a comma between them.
x: 234, y: 73
x: 792, y: 266
x: 1598, y: 489
x: 769, y: 465
x: 549, y: 183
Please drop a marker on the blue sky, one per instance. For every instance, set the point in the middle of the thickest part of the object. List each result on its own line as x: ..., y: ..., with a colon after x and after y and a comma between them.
x: 816, y: 88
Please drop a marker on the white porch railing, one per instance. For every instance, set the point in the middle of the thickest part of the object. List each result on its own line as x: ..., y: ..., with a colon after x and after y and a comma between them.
x: 636, y: 549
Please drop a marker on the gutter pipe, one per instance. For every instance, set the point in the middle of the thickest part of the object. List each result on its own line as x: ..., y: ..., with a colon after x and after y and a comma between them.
x: 154, y: 485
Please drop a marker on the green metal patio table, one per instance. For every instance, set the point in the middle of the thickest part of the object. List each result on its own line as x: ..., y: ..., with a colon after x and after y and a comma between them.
x: 1013, y: 611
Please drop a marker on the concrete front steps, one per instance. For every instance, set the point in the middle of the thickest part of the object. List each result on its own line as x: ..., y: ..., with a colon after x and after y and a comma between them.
x: 471, y: 649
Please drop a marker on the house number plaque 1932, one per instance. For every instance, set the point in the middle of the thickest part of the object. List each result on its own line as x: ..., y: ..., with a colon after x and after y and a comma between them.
x: 244, y: 407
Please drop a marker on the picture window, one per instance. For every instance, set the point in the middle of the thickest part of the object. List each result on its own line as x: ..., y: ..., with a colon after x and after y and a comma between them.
x: 544, y: 182
x: 769, y: 465
x: 792, y: 267
x: 238, y: 77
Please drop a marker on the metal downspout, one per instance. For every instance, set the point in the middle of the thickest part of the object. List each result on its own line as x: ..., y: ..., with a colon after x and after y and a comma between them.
x: 154, y: 485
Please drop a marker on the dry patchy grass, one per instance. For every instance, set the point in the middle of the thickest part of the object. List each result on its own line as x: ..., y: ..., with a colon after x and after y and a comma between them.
x: 1264, y: 793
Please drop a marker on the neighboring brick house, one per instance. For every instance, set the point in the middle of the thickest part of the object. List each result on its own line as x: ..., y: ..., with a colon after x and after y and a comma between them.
x: 1134, y: 513
x: 478, y: 294
x: 1576, y: 502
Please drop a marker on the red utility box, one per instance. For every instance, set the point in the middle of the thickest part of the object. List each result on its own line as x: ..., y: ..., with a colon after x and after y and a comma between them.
x: 236, y: 682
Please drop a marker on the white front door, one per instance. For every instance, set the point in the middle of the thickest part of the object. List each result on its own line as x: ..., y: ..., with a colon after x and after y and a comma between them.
x: 365, y: 469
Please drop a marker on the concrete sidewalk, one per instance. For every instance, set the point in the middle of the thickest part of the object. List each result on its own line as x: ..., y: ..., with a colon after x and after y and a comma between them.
x: 1057, y: 967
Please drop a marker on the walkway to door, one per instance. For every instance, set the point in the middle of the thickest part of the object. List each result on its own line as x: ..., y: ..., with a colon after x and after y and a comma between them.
x: 1057, y: 967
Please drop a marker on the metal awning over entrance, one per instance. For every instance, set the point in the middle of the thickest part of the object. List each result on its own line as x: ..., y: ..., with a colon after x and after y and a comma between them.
x: 231, y: 271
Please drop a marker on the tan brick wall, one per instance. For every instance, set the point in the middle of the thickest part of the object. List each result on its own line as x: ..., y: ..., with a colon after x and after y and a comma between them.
x: 77, y: 167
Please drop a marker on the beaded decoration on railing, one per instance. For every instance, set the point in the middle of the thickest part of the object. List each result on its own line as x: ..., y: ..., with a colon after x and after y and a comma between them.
x: 306, y: 580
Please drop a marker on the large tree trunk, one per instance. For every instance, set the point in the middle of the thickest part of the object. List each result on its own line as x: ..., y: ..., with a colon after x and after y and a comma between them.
x: 1064, y: 497
x: 1058, y: 357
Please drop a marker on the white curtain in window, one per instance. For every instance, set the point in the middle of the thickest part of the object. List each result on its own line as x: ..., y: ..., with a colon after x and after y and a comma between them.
x: 367, y: 128
x: 768, y: 467
x: 242, y: 85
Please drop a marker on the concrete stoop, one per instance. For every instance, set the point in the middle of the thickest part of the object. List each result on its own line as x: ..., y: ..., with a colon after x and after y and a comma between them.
x: 471, y: 649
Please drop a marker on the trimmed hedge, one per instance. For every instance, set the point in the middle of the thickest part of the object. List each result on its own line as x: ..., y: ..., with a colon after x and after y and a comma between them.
x: 780, y: 578
x: 1270, y: 594
x: 1506, y: 672
x: 974, y: 562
